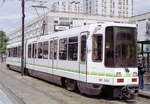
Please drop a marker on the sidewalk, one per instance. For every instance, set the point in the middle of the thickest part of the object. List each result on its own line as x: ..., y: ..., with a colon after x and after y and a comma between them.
x: 146, y: 91
x: 4, y: 99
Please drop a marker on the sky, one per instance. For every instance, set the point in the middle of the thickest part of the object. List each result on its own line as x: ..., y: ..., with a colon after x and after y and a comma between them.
x: 10, y: 12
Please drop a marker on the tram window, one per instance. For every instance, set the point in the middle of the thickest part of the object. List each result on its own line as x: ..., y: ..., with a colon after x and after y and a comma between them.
x: 15, y: 52
x: 16, y: 49
x: 19, y: 51
x: 40, y: 50
x: 8, y: 52
x: 51, y: 49
x: 34, y: 50
x: 29, y: 51
x: 109, y: 47
x: 73, y: 48
x: 13, y: 49
x: 55, y: 49
x: 83, y: 48
x: 10, y: 55
x: 11, y: 52
x: 97, y: 48
x: 45, y: 50
x: 63, y: 49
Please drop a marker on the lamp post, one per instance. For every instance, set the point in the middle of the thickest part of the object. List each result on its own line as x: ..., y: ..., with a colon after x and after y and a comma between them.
x: 22, y: 49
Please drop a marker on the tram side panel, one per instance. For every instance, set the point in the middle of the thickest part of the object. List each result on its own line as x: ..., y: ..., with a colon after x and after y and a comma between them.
x: 57, y: 68
x: 13, y: 59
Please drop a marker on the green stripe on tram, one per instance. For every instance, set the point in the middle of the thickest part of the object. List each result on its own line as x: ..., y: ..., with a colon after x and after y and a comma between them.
x: 82, y: 62
x: 76, y: 71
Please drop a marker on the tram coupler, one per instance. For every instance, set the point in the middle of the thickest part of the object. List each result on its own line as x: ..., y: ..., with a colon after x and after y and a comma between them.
x: 128, y: 92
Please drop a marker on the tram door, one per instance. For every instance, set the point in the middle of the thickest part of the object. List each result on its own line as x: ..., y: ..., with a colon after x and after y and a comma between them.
x: 83, y: 57
x: 53, y: 53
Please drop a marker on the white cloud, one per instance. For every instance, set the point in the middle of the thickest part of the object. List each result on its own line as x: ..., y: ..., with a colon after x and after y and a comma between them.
x: 141, y: 6
x: 10, y: 17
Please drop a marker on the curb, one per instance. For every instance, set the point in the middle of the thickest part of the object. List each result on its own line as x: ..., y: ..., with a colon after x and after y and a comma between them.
x: 143, y: 94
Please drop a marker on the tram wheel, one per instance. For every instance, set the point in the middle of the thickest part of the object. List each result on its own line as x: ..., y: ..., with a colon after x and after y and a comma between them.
x: 70, y: 84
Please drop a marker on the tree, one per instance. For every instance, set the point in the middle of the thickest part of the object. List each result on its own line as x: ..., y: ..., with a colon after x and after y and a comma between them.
x: 138, y: 48
x: 3, y: 42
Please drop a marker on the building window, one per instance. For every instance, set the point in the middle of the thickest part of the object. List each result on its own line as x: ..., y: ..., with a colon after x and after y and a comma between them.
x: 40, y: 50
x: 45, y: 50
x: 29, y: 51
x: 64, y: 22
x: 63, y: 49
x: 73, y: 48
x: 97, y: 48
x: 56, y: 21
x: 83, y: 48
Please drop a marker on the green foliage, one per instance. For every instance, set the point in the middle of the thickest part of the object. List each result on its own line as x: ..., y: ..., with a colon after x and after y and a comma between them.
x: 3, y: 42
x: 138, y: 48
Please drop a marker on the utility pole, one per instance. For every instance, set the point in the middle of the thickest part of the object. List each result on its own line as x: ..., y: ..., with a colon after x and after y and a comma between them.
x: 22, y: 49
x: 2, y: 45
x: 23, y: 26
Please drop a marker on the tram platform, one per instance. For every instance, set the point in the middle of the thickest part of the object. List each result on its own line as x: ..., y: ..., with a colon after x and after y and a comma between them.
x: 146, y: 91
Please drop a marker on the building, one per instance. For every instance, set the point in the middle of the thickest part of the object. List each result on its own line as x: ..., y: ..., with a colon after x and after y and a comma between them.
x: 66, y: 6
x: 58, y: 21
x: 143, y: 28
x: 120, y: 8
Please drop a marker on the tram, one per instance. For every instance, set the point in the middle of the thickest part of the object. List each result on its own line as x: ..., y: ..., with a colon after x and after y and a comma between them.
x: 92, y: 58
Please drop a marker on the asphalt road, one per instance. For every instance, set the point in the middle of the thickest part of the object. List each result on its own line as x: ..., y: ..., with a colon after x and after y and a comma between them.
x: 28, y: 90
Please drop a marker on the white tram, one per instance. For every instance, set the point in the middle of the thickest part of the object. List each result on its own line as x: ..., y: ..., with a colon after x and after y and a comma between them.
x: 92, y: 58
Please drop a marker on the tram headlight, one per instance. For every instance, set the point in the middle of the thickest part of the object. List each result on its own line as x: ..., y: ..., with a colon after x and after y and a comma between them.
x: 135, y: 74
x: 118, y: 74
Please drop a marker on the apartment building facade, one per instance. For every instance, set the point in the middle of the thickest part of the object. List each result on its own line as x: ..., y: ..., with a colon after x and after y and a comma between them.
x: 119, y: 8
x: 58, y: 21
x: 66, y: 6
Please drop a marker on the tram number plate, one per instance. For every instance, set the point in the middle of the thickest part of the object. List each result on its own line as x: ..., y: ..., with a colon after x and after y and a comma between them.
x: 100, y: 80
x: 106, y: 80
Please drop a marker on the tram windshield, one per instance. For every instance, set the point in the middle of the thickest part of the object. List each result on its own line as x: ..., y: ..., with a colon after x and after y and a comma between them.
x: 120, y: 47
